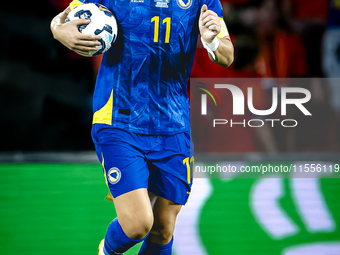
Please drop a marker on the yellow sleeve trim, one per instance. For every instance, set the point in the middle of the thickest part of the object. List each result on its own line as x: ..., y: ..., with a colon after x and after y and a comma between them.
x: 224, y: 31
x: 104, y: 115
x: 74, y: 4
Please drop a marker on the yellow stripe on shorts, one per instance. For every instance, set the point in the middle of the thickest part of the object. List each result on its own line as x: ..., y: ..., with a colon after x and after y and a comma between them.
x: 109, y: 196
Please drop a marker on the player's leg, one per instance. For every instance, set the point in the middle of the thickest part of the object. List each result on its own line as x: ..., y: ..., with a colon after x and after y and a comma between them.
x: 160, y: 239
x: 134, y: 213
x: 134, y: 221
x: 170, y: 180
x: 126, y: 174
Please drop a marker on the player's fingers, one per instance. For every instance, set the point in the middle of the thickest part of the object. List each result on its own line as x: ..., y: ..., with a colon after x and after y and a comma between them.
x: 84, y: 48
x: 83, y: 53
x: 79, y: 46
x: 214, y: 28
x: 208, y: 13
x: 211, y: 23
x: 67, y: 10
x: 209, y: 19
x: 211, y: 13
x: 79, y: 22
x: 204, y: 8
x: 88, y: 43
x: 88, y: 37
x: 64, y: 14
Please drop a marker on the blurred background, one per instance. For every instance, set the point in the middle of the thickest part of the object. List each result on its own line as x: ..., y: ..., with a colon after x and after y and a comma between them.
x: 51, y: 184
x: 46, y: 90
x: 283, y: 39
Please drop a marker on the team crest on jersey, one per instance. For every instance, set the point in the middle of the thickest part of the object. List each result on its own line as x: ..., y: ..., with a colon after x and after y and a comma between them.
x: 184, y: 4
x: 162, y: 3
x: 114, y: 175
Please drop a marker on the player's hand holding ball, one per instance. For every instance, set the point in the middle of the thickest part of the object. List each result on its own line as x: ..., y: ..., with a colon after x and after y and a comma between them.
x: 89, y: 29
x: 209, y: 24
x: 69, y: 35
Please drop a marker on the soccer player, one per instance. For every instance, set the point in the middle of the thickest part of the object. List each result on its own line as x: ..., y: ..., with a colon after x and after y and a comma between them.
x: 141, y: 125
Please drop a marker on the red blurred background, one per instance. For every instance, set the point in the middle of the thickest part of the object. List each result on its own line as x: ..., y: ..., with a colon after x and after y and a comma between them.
x: 46, y: 90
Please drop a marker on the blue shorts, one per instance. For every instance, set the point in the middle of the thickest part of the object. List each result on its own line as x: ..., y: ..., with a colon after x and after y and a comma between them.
x: 163, y: 164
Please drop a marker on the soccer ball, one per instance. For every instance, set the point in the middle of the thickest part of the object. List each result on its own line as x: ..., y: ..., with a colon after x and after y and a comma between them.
x: 103, y: 23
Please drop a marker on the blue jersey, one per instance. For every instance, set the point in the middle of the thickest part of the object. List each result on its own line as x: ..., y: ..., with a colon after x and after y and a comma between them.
x: 142, y: 86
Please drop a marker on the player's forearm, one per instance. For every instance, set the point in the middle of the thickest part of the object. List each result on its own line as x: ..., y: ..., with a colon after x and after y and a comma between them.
x: 224, y: 53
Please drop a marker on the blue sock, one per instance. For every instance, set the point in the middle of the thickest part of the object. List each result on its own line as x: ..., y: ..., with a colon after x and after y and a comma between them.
x: 116, y: 241
x: 150, y: 248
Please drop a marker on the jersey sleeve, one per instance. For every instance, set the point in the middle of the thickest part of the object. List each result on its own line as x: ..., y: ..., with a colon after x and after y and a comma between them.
x: 215, y: 6
x: 75, y: 3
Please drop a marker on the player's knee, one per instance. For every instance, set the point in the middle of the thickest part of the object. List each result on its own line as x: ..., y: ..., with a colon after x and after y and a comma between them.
x: 163, y: 233
x: 140, y: 227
